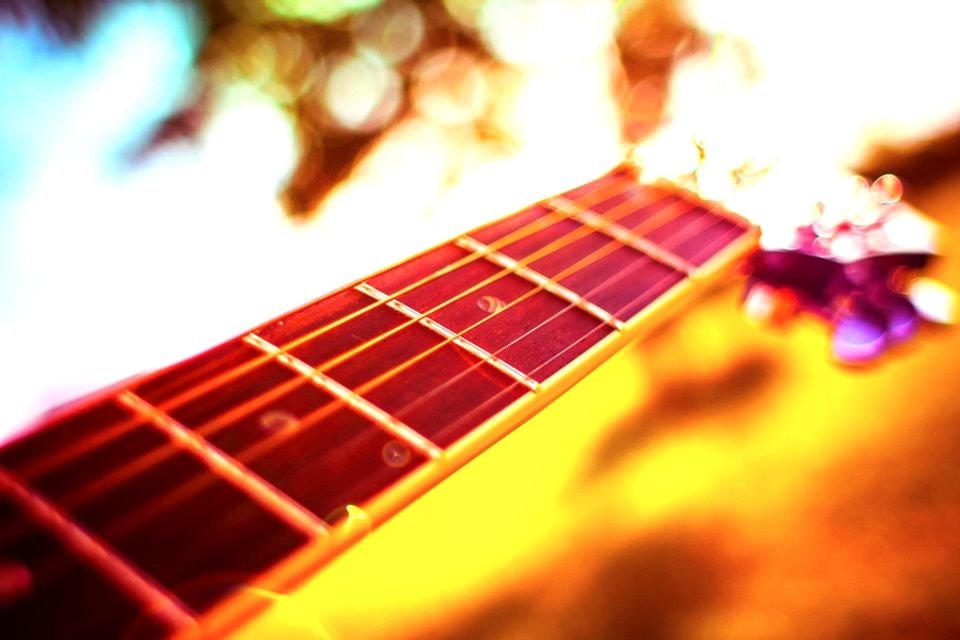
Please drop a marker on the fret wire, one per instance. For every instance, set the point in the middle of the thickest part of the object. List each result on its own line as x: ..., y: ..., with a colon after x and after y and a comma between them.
x: 542, y: 281
x: 621, y: 275
x: 153, y: 597
x: 452, y: 336
x: 311, y: 418
x: 624, y: 235
x: 544, y: 250
x: 241, y: 477
x: 561, y: 242
x: 359, y: 404
x: 269, y: 443
x: 538, y: 367
x: 495, y: 398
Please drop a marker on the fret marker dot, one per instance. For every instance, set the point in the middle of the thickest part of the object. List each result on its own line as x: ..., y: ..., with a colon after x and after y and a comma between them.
x: 277, y: 420
x: 395, y: 454
x: 491, y: 304
x: 16, y: 581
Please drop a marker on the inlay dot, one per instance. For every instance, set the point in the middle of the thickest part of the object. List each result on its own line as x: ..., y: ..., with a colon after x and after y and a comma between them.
x: 395, y: 454
x: 277, y: 420
x: 491, y: 304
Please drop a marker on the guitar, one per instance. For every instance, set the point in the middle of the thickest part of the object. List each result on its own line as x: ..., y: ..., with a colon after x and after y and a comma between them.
x: 172, y: 502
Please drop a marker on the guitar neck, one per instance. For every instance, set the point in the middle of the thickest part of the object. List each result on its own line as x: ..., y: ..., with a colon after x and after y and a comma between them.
x: 254, y: 463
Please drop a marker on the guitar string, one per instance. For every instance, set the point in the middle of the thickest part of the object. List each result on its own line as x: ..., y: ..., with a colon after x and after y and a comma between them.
x: 599, y: 194
x: 215, y: 424
x: 580, y: 232
x: 372, y: 384
x: 84, y: 493
x: 133, y: 520
x: 520, y: 234
x: 718, y: 244
x: 385, y: 376
x: 687, y: 230
x: 572, y: 269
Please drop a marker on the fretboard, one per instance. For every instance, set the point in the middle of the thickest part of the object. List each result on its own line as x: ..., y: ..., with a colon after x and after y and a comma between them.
x: 148, y: 505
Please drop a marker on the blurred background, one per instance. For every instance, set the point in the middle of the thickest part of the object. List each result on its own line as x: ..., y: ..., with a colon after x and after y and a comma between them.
x: 172, y: 173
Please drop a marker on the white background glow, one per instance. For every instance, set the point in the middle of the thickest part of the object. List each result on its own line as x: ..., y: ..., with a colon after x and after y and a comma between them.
x: 106, y: 271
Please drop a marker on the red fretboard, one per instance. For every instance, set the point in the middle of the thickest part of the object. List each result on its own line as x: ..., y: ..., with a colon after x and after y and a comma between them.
x: 256, y: 461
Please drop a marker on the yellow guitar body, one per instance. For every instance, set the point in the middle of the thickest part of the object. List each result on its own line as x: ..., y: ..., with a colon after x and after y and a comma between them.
x: 713, y: 481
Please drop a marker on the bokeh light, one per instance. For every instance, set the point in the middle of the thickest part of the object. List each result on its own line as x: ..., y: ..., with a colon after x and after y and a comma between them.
x: 317, y: 10
x: 450, y: 86
x: 395, y: 30
x: 362, y: 91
